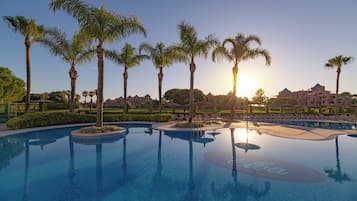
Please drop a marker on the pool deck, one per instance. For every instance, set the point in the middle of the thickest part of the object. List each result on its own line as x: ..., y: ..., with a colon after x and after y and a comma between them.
x: 278, y: 130
x: 3, y: 127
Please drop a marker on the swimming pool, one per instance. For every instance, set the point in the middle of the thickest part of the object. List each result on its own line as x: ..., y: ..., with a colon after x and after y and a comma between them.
x: 146, y: 164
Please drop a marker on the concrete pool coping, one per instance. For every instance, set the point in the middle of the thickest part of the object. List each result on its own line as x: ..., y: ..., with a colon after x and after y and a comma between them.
x: 278, y: 130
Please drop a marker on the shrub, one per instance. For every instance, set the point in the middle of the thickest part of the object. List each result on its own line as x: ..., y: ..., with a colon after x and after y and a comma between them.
x: 104, y: 129
x: 138, y: 117
x: 189, y: 125
x: 56, y: 106
x: 40, y: 119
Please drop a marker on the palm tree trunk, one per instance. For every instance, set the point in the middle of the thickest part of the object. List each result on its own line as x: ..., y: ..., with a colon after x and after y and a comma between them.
x: 99, y: 107
x: 91, y: 102
x: 337, y: 88
x: 85, y: 100
x: 338, y: 79
x: 125, y: 78
x: 235, y: 73
x: 192, y: 100
x: 28, y: 74
x: 73, y: 75
x: 160, y: 77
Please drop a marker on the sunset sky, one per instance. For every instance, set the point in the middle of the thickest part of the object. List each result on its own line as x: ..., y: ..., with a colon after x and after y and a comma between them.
x: 300, y: 35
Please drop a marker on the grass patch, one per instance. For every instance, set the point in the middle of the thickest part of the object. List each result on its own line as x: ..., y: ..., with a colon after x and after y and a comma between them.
x: 189, y: 125
x: 103, y: 129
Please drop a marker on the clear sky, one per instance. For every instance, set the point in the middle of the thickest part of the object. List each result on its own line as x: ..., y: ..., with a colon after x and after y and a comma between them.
x: 301, y: 36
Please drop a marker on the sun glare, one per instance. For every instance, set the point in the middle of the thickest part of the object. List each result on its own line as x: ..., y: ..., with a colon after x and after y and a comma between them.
x: 246, y: 85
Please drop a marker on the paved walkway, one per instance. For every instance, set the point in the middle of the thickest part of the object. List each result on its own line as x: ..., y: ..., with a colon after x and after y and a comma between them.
x: 3, y: 127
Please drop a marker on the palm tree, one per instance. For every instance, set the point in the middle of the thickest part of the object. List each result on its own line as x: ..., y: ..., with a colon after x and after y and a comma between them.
x: 190, y: 47
x: 161, y: 57
x: 128, y: 57
x: 103, y: 26
x: 338, y: 62
x: 85, y: 94
x: 73, y: 52
x: 239, y: 51
x: 91, y: 94
x: 32, y: 33
x: 68, y: 94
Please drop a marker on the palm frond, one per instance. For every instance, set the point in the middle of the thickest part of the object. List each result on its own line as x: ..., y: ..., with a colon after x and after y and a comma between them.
x: 27, y: 27
x: 232, y: 41
x: 254, y: 53
x: 114, y: 56
x: 252, y: 38
x: 220, y: 52
x: 76, y: 8
x: 75, y: 51
x: 127, y: 57
x: 338, y: 61
x: 86, y: 56
x: 146, y: 47
x: 129, y: 25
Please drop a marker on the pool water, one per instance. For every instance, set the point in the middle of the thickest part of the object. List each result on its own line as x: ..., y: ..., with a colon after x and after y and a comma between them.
x: 146, y: 164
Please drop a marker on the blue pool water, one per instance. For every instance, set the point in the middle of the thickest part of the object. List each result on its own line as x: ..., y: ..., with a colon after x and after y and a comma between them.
x: 145, y: 164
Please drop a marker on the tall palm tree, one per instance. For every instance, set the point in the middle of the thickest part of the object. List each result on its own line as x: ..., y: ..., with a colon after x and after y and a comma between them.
x: 128, y: 57
x: 32, y: 33
x: 161, y: 56
x: 85, y: 94
x: 91, y: 94
x: 338, y: 62
x: 103, y: 26
x: 68, y: 94
x: 190, y: 47
x: 239, y: 51
x: 73, y: 52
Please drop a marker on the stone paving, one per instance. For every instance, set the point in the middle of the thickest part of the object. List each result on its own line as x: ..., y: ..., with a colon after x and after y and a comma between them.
x: 3, y: 127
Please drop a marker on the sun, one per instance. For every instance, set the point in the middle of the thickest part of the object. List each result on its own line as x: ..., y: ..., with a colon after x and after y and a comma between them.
x: 246, y: 85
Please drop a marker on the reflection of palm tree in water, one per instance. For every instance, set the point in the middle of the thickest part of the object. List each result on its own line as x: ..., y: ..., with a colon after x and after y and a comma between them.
x: 238, y: 191
x: 99, y: 170
x: 191, y: 195
x: 159, y: 161
x: 234, y: 162
x: 124, y: 164
x: 337, y: 174
x: 27, y: 161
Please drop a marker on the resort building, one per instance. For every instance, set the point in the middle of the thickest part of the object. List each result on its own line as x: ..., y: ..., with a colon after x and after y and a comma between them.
x: 317, y: 96
x: 134, y: 101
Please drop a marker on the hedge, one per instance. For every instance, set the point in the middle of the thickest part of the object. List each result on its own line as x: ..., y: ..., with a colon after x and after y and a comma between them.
x: 138, y: 117
x: 40, y: 119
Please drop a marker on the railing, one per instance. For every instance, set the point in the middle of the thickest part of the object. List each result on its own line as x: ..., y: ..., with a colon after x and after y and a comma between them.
x: 10, y: 110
